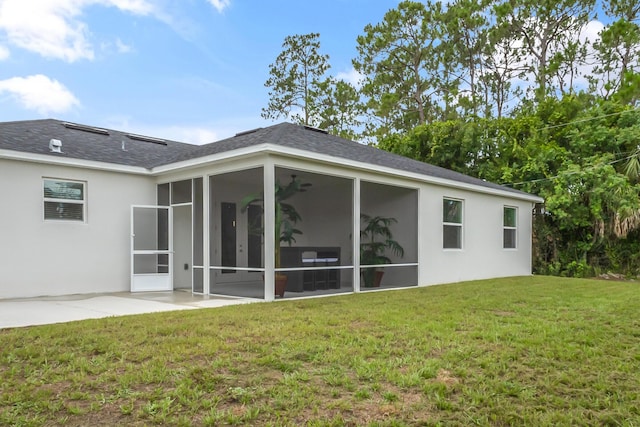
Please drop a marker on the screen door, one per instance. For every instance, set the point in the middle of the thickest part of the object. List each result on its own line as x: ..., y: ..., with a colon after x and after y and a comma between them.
x: 151, y: 249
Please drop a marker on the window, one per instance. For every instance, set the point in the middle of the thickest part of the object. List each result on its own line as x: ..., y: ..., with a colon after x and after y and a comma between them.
x: 64, y: 200
x: 509, y: 220
x: 452, y: 224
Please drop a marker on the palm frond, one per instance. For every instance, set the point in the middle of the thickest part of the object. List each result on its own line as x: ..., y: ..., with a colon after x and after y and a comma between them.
x: 376, y: 238
x: 632, y: 167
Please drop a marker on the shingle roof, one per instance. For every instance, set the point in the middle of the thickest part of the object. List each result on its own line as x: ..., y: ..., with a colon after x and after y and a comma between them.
x: 33, y: 137
x: 312, y: 140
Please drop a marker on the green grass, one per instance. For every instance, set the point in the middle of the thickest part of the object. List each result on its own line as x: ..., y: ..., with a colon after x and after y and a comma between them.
x: 525, y: 351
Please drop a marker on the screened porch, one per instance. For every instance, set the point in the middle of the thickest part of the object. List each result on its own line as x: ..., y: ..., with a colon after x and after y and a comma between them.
x: 311, y: 239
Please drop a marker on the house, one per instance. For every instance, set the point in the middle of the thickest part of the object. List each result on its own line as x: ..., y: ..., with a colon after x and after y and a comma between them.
x: 90, y: 210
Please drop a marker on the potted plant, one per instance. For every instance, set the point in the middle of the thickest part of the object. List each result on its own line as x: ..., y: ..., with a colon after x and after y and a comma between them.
x: 375, y: 239
x: 286, y: 217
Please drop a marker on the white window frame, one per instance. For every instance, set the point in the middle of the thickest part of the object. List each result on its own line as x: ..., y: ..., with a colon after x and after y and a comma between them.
x: 454, y: 224
x: 508, y: 227
x: 82, y: 202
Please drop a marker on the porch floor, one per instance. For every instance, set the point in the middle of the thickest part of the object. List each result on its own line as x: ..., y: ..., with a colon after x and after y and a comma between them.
x: 68, y: 308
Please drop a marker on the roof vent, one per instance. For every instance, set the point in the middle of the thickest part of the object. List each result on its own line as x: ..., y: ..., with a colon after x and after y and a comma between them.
x: 85, y: 128
x: 55, y: 145
x: 311, y: 128
x: 146, y: 138
x: 247, y: 132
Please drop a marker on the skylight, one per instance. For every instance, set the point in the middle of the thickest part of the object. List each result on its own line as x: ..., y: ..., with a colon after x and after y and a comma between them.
x: 85, y: 128
x: 146, y: 138
x: 311, y: 128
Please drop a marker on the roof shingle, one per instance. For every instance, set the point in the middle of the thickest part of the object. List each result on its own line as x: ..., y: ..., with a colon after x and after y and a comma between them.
x: 33, y: 136
x: 304, y: 138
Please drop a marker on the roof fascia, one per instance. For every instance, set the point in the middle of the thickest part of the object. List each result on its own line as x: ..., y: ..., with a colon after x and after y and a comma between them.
x: 65, y: 161
x: 211, y: 158
x: 293, y: 152
x: 267, y: 148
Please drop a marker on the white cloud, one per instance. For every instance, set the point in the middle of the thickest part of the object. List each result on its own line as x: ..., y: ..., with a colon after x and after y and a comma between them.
x: 117, y: 46
x: 52, y: 28
x: 197, y: 135
x: 39, y: 93
x: 138, y: 7
x: 591, y: 31
x: 48, y: 28
x: 351, y: 76
x: 123, y: 47
x: 220, y: 5
x: 4, y: 53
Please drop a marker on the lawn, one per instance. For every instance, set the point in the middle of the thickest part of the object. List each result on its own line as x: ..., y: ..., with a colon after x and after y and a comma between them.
x: 523, y: 351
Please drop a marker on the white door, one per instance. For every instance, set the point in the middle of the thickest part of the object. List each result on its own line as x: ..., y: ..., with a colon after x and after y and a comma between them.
x: 151, y: 248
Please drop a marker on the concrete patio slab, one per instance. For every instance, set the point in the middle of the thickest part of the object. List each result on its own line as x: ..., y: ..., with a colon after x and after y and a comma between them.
x: 47, y: 310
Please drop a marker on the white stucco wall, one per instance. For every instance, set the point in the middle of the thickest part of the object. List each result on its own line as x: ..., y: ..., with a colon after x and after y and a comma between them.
x: 40, y: 257
x: 482, y: 255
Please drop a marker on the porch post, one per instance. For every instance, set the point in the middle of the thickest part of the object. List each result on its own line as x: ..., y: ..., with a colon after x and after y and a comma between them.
x: 356, y: 235
x: 206, y: 237
x: 422, y: 242
x: 269, y: 229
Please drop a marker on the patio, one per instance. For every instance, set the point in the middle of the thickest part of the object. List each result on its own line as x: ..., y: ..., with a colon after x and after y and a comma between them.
x: 68, y: 308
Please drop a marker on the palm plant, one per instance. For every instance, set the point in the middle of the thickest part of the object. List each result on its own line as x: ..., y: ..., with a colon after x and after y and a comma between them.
x: 375, y: 239
x: 286, y: 215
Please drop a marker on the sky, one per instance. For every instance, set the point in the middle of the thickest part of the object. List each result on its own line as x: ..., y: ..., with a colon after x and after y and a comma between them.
x: 187, y: 70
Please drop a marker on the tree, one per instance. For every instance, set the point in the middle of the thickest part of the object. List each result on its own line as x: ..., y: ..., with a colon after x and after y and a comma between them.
x: 501, y: 67
x: 565, y: 64
x: 445, y: 83
x: 340, y: 110
x: 399, y: 59
x: 575, y: 153
x: 542, y: 28
x: 295, y: 79
x: 464, y: 46
x: 618, y: 50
